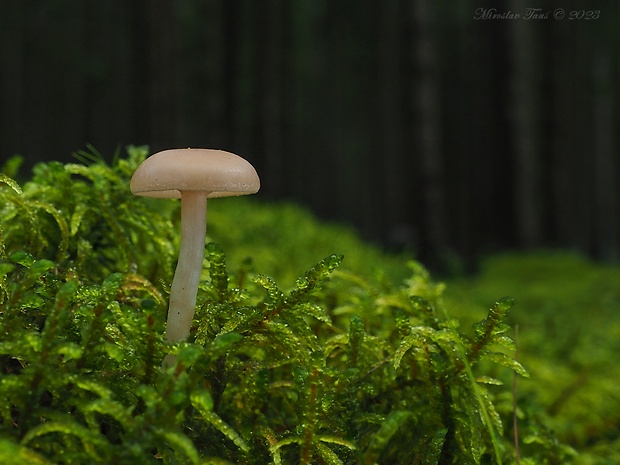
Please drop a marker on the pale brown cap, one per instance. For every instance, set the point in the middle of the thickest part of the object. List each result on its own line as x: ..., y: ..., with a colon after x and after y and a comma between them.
x: 221, y: 174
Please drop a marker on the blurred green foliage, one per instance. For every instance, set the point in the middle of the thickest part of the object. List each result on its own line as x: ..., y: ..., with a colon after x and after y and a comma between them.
x: 568, y: 318
x: 281, y: 239
x: 357, y: 360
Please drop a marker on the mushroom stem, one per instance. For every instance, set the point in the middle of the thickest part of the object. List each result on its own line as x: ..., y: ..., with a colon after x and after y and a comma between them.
x: 189, y: 267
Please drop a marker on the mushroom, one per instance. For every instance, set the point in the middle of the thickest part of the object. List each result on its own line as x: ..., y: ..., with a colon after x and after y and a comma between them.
x: 193, y: 175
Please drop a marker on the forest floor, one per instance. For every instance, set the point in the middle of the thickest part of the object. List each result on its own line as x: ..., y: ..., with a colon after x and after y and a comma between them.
x: 568, y: 322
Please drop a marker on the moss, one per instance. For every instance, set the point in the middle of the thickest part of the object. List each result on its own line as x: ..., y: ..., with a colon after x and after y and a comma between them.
x: 343, y: 363
x: 569, y: 333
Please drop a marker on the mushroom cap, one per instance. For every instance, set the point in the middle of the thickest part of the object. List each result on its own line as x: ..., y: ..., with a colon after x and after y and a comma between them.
x: 219, y: 173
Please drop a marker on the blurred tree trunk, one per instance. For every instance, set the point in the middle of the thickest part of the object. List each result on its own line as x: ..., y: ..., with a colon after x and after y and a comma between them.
x: 426, y: 108
x: 605, y: 164
x: 12, y: 78
x: 163, y: 95
x: 352, y: 126
x: 458, y: 91
x: 390, y: 156
x: 208, y: 42
x: 310, y: 176
x: 247, y: 89
x: 153, y: 72
x: 270, y: 75
x: 102, y: 108
x: 571, y: 157
x: 525, y: 98
x: 139, y: 72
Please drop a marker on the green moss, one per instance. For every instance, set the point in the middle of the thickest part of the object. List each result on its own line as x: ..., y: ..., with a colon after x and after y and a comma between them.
x: 354, y: 361
x: 569, y: 338
x: 281, y: 239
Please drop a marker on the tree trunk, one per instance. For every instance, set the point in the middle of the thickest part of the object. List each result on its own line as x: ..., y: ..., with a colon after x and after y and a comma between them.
x: 270, y: 77
x: 163, y: 67
x: 390, y: 156
x: 604, y: 159
x: 525, y: 101
x: 426, y: 108
x: 13, y: 31
x: 572, y: 182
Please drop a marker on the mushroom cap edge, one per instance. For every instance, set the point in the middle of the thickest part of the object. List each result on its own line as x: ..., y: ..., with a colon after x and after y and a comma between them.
x: 167, y: 173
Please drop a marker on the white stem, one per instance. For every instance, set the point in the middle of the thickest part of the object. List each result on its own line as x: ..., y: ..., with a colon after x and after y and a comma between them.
x: 189, y: 267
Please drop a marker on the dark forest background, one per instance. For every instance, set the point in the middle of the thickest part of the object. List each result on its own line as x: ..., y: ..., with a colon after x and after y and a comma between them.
x: 432, y: 126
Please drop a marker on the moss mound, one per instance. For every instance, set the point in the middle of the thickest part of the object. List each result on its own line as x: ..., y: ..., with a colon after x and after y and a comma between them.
x: 569, y: 338
x: 296, y: 356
